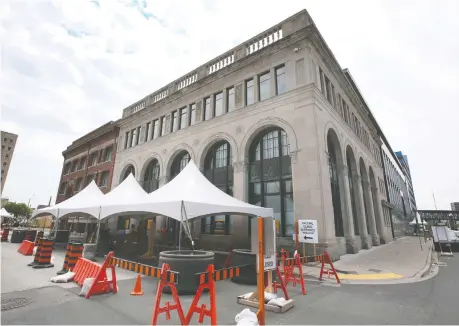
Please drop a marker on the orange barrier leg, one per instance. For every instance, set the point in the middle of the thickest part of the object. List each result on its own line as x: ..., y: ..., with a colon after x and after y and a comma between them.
x: 101, y: 284
x: 327, y: 260
x: 163, y: 283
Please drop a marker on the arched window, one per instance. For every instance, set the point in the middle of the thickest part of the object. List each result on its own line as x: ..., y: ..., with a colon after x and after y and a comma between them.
x: 270, y: 176
x: 179, y: 163
x: 128, y: 171
x: 151, y: 177
x: 219, y: 170
x: 336, y: 198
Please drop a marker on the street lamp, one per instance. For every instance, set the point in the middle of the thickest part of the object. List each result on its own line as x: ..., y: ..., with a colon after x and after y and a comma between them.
x: 28, y: 203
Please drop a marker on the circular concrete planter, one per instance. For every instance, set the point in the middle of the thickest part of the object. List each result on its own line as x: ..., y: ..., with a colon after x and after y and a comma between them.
x: 187, y: 263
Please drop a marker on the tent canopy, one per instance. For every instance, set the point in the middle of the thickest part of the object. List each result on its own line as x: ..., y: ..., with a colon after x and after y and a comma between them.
x: 4, y: 213
x: 419, y: 220
x: 86, y: 201
x: 122, y: 198
x: 191, y: 193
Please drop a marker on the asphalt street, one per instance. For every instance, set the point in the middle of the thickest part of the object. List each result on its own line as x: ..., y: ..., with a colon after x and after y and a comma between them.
x: 429, y: 302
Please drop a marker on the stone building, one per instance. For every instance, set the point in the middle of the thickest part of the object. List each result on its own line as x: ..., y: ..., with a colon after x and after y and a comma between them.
x: 91, y: 157
x: 275, y: 122
x: 403, y: 159
x: 8, y: 144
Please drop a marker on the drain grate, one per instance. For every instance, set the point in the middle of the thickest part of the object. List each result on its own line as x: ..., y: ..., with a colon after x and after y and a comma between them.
x: 8, y: 304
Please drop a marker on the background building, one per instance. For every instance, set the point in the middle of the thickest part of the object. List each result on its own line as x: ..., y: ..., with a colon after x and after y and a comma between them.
x: 275, y: 122
x: 455, y: 206
x: 395, y: 180
x: 409, y: 182
x: 8, y: 145
x: 88, y: 158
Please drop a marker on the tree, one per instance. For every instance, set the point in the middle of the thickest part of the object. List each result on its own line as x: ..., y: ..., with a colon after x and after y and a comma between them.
x: 18, y: 209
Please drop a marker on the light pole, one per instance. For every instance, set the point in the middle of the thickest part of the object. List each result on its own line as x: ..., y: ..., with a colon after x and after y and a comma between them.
x: 28, y: 203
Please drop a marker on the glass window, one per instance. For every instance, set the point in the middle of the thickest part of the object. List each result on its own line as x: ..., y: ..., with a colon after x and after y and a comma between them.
x: 322, y: 82
x: 207, y: 109
x: 93, y: 159
x: 249, y: 92
x: 147, y: 130
x: 270, y: 176
x: 281, y: 80
x: 231, y: 101
x: 138, y: 136
x: 151, y: 178
x: 163, y: 126
x: 108, y: 153
x: 179, y: 163
x: 173, y: 121
x: 79, y: 184
x: 126, y: 140
x: 82, y: 163
x: 219, y: 170
x: 104, y: 179
x: 133, y: 136
x: 218, y: 104
x: 265, y: 86
x: 192, y: 114
x: 183, y: 121
x: 155, y: 131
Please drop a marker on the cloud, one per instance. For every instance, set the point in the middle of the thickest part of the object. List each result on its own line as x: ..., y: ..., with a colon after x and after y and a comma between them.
x: 70, y: 66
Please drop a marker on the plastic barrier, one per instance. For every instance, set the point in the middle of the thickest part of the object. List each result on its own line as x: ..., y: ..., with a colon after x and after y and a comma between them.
x: 165, y: 281
x: 280, y: 284
x: 73, y: 252
x: 26, y: 248
x: 289, y: 272
x: 327, y: 260
x: 5, y: 234
x: 44, y: 257
x: 86, y: 268
x: 28, y: 236
x: 37, y: 253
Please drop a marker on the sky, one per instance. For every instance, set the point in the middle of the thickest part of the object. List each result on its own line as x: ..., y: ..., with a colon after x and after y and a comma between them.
x: 70, y: 66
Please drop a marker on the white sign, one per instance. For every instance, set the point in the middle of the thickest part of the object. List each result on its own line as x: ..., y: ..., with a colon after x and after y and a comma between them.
x: 307, y: 231
x: 270, y: 261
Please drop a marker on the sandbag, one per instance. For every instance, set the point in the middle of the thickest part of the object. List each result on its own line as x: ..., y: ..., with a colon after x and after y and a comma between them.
x: 64, y: 278
x: 246, y: 318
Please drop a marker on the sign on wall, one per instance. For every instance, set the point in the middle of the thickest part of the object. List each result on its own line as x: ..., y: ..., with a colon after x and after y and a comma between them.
x: 307, y: 231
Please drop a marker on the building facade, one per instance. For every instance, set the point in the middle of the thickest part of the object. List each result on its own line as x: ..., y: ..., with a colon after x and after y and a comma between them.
x: 403, y: 159
x: 395, y: 181
x: 91, y: 157
x: 455, y: 206
x: 8, y: 144
x: 275, y: 122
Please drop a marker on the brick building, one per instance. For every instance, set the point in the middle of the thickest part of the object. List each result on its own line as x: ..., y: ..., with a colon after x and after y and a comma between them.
x: 91, y: 157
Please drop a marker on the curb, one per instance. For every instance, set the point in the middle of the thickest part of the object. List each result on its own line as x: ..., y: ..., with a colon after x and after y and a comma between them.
x: 426, y: 270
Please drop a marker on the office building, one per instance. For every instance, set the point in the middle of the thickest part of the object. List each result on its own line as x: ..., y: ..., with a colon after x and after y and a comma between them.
x: 409, y: 181
x: 8, y: 144
x: 91, y: 157
x: 455, y: 206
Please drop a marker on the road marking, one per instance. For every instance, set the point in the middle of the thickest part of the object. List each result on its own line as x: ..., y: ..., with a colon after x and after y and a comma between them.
x: 385, y: 276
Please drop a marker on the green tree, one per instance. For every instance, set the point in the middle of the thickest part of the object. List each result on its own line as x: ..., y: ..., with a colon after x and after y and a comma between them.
x: 18, y: 209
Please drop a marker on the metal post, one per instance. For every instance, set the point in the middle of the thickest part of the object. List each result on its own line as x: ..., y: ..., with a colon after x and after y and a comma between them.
x: 261, y: 273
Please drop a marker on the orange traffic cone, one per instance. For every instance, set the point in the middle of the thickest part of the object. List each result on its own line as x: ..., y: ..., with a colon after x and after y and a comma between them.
x: 138, y: 286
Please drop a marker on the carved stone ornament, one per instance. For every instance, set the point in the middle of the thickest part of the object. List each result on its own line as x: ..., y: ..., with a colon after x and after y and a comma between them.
x: 238, y: 129
x: 164, y: 151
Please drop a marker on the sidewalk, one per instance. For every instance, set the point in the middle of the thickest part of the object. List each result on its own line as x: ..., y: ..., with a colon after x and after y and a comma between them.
x: 400, y: 261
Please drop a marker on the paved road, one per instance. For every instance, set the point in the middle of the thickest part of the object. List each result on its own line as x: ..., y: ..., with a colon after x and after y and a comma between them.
x: 434, y: 301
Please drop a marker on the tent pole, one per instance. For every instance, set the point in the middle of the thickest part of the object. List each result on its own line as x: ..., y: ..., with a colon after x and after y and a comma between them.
x: 181, y: 225
x: 98, y: 227
x: 56, y: 225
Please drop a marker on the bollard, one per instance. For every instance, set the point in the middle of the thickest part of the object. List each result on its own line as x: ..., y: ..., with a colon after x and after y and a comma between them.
x: 5, y: 234
x: 44, y: 260
x: 75, y: 252
x: 65, y: 268
x: 38, y: 236
x: 37, y: 253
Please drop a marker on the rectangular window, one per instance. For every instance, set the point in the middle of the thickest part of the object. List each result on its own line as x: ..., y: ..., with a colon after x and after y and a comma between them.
x: 329, y: 90
x: 147, y: 130
x: 207, y: 109
x: 218, y: 104
x: 192, y: 116
x: 322, y: 82
x: 126, y: 140
x: 133, y: 137
x: 108, y: 154
x: 137, y: 136
x: 78, y: 184
x: 93, y: 159
x: 265, y: 86
x: 249, y: 92
x: 82, y: 163
x: 230, y: 99
x: 155, y: 131
x: 281, y: 80
x: 163, y: 125
x: 173, y: 121
x: 183, y: 118
x: 104, y: 179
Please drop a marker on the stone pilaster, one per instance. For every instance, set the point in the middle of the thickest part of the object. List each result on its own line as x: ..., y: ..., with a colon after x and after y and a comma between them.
x: 347, y: 208
x: 371, y: 213
x: 366, y: 244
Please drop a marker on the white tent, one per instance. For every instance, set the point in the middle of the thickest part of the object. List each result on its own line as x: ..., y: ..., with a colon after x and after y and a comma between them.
x: 191, y: 193
x: 123, y: 198
x: 86, y: 201
x: 419, y: 221
x: 4, y: 213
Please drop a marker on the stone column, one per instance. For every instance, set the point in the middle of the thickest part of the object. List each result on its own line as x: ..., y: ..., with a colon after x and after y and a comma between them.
x: 345, y: 195
x: 272, y: 82
x: 379, y: 215
x: 371, y: 213
x: 150, y: 131
x: 360, y: 207
x: 224, y: 101
x: 256, y: 89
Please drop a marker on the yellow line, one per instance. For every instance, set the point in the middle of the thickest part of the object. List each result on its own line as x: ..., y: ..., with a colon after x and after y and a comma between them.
x: 386, y: 276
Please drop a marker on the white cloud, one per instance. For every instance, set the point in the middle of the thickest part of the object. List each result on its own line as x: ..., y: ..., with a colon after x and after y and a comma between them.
x: 70, y: 66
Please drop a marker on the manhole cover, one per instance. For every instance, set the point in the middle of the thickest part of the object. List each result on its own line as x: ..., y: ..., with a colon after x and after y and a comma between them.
x: 8, y: 304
